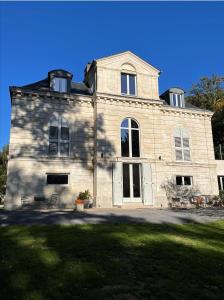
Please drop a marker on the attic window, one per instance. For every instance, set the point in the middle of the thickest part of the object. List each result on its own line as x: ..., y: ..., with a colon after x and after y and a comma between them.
x: 59, y: 84
x: 128, y: 84
x: 177, y: 100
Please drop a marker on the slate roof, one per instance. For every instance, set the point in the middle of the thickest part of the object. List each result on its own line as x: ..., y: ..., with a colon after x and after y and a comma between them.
x: 44, y: 85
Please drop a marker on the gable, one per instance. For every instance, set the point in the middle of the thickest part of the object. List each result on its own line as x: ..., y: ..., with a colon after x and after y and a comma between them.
x: 127, y: 60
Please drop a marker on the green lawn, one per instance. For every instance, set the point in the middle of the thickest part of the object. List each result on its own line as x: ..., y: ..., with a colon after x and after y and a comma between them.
x: 122, y: 262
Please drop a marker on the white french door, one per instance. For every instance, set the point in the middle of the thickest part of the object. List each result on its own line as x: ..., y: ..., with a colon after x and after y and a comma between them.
x: 132, y: 182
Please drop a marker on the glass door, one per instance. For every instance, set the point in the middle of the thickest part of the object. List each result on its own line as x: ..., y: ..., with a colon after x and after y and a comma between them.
x: 131, y: 182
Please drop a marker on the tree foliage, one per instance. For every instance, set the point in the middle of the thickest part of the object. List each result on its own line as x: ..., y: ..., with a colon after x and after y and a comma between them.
x: 3, y: 169
x: 208, y: 93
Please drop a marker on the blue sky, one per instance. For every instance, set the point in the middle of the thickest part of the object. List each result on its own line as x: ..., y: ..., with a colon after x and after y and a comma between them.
x: 184, y: 40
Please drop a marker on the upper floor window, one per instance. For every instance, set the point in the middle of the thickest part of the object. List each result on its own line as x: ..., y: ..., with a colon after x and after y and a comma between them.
x: 129, y: 138
x: 177, y: 100
x: 221, y: 182
x: 59, y: 137
x: 128, y: 84
x: 59, y: 84
x: 182, y: 144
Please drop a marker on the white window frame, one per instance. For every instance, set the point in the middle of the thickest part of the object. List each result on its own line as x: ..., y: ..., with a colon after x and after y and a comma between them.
x: 128, y: 83
x: 59, y: 140
x: 50, y: 173
x: 182, y: 135
x: 182, y: 178
x: 175, y: 100
x: 221, y: 181
x: 60, y: 85
x: 130, y: 137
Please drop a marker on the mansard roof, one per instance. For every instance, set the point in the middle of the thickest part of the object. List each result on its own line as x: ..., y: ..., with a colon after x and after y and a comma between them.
x: 44, y: 84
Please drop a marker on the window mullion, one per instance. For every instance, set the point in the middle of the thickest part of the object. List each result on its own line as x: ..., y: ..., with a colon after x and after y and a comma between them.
x: 128, y: 92
x: 130, y: 137
x: 59, y: 139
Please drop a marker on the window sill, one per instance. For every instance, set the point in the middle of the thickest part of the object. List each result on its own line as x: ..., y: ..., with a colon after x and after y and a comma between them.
x: 129, y: 95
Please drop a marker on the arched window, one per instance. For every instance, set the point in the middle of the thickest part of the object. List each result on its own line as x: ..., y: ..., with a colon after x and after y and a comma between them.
x: 129, y: 138
x: 59, y: 136
x: 182, y: 144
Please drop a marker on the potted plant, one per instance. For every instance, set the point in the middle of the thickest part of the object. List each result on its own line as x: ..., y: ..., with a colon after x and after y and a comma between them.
x: 82, y: 199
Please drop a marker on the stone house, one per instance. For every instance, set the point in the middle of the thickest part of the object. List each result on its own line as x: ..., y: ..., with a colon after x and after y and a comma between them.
x: 112, y: 134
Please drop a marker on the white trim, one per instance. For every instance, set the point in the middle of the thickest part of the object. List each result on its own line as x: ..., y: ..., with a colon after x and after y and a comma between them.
x: 132, y: 198
x: 182, y: 179
x: 128, y: 84
x: 221, y: 181
x: 129, y: 128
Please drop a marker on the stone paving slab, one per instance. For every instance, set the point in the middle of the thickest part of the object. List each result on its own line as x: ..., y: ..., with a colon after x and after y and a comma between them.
x: 116, y: 215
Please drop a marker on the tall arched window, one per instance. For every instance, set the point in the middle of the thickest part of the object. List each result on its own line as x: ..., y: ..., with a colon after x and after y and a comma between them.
x: 129, y: 138
x: 182, y: 144
x: 59, y: 136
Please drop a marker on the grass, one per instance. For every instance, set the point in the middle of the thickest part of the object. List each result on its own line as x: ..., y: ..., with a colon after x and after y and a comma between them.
x: 112, y: 261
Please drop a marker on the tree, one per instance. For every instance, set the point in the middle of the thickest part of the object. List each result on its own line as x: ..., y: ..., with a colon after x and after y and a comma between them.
x: 3, y: 170
x: 208, y: 93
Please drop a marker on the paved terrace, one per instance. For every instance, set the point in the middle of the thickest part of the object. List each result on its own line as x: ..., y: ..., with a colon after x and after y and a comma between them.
x: 116, y: 215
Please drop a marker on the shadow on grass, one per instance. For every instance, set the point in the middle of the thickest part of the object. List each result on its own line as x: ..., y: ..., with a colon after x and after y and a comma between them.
x: 112, y: 261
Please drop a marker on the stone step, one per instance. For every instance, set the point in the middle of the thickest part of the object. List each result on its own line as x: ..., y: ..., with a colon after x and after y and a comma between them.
x: 133, y: 205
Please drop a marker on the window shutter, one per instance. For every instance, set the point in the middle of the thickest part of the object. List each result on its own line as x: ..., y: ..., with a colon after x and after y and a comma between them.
x: 117, y: 183
x: 147, y: 184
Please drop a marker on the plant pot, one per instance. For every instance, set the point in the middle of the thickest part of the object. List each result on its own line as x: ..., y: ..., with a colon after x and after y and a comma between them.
x: 80, y: 206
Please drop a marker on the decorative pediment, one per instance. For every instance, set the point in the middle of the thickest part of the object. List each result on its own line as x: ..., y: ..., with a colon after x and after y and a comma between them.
x: 127, y: 61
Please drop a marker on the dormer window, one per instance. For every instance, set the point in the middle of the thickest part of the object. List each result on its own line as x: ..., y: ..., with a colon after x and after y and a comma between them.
x: 128, y: 84
x: 177, y: 100
x: 59, y: 84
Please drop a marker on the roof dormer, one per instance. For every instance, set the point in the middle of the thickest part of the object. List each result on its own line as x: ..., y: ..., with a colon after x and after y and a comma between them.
x: 60, y: 81
x: 174, y: 97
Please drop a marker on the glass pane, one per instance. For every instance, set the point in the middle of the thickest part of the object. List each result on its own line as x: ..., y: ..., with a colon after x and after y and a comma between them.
x: 136, y: 180
x: 177, y: 142
x: 124, y: 143
x: 179, y: 155
x: 178, y: 180
x: 134, y: 124
x: 57, y: 179
x: 187, y: 155
x: 64, y: 133
x: 135, y: 143
x: 132, y: 84
x: 64, y: 149
x: 124, y: 83
x: 174, y: 100
x: 126, y: 181
x: 124, y: 123
x: 219, y: 182
x: 56, y: 84
x: 179, y: 100
x: 186, y: 143
x: 187, y: 180
x: 53, y: 148
x: 53, y: 132
x: 63, y: 85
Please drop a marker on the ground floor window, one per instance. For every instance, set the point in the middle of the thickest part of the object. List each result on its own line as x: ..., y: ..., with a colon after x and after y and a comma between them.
x: 57, y: 178
x: 184, y: 180
x: 221, y: 182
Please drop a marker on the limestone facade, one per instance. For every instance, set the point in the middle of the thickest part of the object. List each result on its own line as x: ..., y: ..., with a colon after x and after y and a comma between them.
x: 95, y: 139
